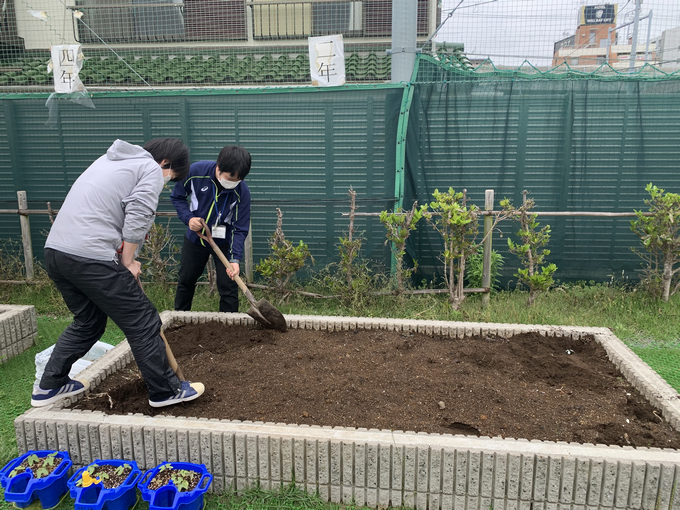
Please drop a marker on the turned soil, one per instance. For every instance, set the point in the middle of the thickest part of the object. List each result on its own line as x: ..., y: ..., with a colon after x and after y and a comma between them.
x: 528, y: 386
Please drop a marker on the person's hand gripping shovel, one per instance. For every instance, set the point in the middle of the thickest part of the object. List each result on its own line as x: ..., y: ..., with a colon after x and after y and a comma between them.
x: 262, y: 311
x: 168, y: 351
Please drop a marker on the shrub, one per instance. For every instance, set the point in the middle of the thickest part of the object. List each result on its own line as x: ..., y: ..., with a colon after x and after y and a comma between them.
x: 530, y: 249
x: 660, y: 236
x: 158, y: 254
x: 457, y: 224
x: 11, y: 260
x: 399, y: 226
x: 285, y: 259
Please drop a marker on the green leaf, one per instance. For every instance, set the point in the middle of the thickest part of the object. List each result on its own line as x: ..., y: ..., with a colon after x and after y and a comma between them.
x: 41, y: 472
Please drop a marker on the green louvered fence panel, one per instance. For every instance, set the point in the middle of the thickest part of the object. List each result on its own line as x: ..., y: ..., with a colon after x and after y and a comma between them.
x: 308, y: 148
x: 575, y: 145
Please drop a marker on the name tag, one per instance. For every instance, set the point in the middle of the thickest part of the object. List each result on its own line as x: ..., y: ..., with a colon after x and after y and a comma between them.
x: 219, y: 231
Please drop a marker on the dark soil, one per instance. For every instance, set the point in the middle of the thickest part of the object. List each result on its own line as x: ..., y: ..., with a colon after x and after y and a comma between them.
x: 183, y: 479
x: 528, y: 386
x: 40, y: 466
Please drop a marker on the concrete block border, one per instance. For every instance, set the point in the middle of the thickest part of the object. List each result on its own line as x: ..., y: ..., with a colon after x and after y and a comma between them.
x: 18, y: 329
x: 381, y: 467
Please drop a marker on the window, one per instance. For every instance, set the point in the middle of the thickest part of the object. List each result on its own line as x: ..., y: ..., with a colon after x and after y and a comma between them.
x: 130, y: 20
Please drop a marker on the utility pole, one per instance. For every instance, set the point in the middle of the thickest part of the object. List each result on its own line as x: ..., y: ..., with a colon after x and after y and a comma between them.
x: 404, y: 29
x: 649, y: 34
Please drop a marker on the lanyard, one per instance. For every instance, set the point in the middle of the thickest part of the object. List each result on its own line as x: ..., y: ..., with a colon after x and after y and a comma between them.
x: 224, y: 206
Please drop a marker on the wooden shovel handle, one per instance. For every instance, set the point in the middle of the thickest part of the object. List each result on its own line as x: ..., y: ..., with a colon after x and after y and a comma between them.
x: 171, y: 358
x: 168, y: 352
x: 207, y: 236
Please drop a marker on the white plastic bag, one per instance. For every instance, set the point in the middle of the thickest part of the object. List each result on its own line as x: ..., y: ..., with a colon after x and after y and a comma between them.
x: 98, y: 350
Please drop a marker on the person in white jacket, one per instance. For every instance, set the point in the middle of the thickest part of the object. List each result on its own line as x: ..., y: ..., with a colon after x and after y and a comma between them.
x: 90, y: 254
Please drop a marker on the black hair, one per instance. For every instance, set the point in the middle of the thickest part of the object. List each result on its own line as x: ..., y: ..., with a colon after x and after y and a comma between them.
x: 234, y: 160
x: 172, y: 149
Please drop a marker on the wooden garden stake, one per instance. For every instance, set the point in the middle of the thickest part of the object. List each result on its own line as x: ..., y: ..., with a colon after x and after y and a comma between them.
x: 486, y: 254
x: 26, y: 234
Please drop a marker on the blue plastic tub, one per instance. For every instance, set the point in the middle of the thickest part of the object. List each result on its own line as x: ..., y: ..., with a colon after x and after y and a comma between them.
x: 24, y: 488
x: 97, y: 497
x: 169, y: 496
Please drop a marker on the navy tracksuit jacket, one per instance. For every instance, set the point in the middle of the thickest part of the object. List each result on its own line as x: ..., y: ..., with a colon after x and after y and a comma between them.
x: 216, y: 205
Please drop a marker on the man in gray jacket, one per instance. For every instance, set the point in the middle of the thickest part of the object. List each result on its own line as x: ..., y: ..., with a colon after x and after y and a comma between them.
x: 90, y: 255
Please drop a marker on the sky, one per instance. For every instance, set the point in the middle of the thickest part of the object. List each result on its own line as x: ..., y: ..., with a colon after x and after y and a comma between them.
x: 510, y: 31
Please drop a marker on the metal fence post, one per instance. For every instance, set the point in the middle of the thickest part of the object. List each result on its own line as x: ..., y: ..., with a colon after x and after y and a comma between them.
x: 486, y: 256
x: 26, y: 234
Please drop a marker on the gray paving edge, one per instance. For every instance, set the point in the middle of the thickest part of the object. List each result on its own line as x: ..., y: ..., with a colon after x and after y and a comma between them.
x: 18, y: 329
x: 378, y: 468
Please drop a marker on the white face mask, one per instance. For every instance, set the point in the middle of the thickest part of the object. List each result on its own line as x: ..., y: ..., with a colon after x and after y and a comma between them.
x: 166, y: 179
x: 228, y: 184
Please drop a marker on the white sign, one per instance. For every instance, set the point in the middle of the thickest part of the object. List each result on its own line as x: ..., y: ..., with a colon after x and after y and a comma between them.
x: 327, y: 61
x: 67, y: 61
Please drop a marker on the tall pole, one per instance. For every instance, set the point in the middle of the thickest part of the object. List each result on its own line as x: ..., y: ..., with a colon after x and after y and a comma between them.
x: 404, y: 28
x: 649, y: 34
x: 633, y: 47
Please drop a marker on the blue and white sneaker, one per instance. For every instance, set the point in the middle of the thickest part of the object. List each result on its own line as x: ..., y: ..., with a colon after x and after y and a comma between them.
x: 188, y: 391
x: 42, y: 397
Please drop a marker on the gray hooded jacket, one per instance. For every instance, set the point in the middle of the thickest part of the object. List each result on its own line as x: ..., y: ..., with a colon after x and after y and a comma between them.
x: 114, y: 200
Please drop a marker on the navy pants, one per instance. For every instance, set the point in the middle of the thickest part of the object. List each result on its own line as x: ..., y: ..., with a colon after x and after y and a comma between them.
x: 94, y: 290
x: 192, y: 265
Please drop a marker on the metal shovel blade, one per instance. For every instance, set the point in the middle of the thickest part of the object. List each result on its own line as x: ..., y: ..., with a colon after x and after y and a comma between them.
x: 266, y: 314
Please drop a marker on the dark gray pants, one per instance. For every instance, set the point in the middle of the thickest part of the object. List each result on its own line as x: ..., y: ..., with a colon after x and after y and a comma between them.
x: 94, y: 290
x: 194, y: 260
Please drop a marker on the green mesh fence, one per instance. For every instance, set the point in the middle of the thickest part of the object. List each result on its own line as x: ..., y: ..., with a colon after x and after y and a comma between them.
x: 578, y: 144
x: 457, y: 67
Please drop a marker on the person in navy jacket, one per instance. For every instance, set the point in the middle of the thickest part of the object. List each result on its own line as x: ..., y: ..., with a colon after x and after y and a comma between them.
x: 215, y: 191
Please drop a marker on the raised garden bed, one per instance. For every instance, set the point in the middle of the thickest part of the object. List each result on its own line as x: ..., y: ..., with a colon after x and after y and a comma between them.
x: 381, y: 466
x: 18, y: 328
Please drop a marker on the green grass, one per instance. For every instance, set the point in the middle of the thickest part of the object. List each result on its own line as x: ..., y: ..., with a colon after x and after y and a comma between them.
x: 18, y: 374
x: 289, y: 497
x: 650, y: 327
x: 633, y: 316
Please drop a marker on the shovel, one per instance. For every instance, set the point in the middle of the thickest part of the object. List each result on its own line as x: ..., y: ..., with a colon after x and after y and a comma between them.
x: 262, y: 311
